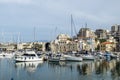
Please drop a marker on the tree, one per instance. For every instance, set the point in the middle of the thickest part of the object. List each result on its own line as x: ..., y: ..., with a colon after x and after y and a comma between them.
x: 98, y: 47
x: 37, y: 47
x: 102, y: 40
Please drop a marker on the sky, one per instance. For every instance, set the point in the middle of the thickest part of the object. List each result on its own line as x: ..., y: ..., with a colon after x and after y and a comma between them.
x: 48, y: 18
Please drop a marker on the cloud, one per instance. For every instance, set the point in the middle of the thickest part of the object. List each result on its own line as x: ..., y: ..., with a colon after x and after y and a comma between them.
x: 43, y: 13
x: 100, y: 18
x: 16, y: 1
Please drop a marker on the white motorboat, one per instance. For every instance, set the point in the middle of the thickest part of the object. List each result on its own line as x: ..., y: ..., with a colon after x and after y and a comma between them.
x: 28, y: 56
x: 88, y: 57
x: 72, y: 58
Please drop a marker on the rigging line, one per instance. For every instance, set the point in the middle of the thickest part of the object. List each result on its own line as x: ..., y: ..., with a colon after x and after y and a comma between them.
x: 73, y: 28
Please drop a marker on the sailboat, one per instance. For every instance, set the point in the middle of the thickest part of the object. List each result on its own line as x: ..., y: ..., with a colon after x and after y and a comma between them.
x: 72, y: 56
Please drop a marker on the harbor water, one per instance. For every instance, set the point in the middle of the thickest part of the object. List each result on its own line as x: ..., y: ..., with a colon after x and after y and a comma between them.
x: 86, y: 70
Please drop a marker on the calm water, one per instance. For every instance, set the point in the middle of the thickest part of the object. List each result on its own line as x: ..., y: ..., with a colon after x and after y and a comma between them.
x: 87, y: 70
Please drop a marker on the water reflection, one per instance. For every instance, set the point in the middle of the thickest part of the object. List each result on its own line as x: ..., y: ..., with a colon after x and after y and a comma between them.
x: 93, y: 70
x: 82, y: 69
x: 115, y: 72
x: 102, y: 67
x: 89, y: 67
x: 29, y: 66
x: 85, y: 68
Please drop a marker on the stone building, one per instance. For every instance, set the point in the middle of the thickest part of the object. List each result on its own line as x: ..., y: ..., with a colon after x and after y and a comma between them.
x: 8, y: 47
x: 88, y: 39
x: 115, y: 28
x: 101, y: 33
x: 85, y: 33
x: 107, y: 46
x: 115, y: 32
x: 63, y: 44
x: 31, y: 45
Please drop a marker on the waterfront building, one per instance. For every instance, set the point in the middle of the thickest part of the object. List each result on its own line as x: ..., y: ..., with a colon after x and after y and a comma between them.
x: 101, y: 33
x: 85, y: 33
x: 108, y: 46
x: 63, y: 44
x: 7, y: 46
x: 89, y: 44
x: 88, y: 39
x: 115, y: 32
x: 39, y: 46
x: 24, y: 45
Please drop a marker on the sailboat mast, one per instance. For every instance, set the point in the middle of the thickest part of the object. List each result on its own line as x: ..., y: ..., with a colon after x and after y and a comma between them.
x: 73, y: 29
x: 71, y: 26
x: 18, y: 40
x: 2, y: 37
x: 34, y: 34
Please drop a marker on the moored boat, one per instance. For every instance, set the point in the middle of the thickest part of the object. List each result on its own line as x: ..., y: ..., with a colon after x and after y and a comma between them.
x: 7, y: 54
x: 72, y: 58
x: 88, y: 57
x: 28, y: 56
x: 54, y: 58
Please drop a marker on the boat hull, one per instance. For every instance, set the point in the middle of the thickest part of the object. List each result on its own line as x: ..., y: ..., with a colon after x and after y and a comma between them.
x: 72, y: 58
x: 88, y: 57
x: 27, y: 59
x: 55, y: 59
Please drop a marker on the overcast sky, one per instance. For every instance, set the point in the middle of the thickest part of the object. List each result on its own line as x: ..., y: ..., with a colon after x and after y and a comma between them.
x: 52, y: 17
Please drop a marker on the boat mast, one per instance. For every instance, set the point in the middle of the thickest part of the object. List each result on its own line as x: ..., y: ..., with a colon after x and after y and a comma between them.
x: 34, y: 34
x: 2, y: 37
x: 71, y: 26
x: 34, y: 39
x: 18, y: 40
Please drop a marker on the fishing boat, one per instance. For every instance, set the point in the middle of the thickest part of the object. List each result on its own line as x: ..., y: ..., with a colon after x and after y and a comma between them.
x: 28, y: 56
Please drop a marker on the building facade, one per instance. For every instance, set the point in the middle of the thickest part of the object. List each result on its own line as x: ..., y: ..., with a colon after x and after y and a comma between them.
x: 64, y: 44
x: 85, y: 33
x: 101, y: 33
x: 115, y: 28
x: 115, y: 32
